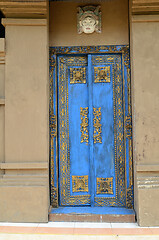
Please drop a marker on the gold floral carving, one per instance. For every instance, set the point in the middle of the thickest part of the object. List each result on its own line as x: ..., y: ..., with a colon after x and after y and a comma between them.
x: 97, y: 138
x: 105, y: 185
x: 102, y: 74
x: 84, y: 124
x: 80, y: 183
x: 77, y: 75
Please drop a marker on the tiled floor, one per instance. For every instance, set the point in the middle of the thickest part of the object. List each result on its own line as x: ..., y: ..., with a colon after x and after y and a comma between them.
x: 77, y: 231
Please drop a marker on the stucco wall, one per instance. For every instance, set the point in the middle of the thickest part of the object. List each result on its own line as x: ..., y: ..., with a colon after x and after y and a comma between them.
x: 145, y: 99
x: 26, y: 102
x: 63, y: 24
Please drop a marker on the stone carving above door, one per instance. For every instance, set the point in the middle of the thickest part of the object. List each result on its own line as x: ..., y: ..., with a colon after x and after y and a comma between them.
x: 89, y: 19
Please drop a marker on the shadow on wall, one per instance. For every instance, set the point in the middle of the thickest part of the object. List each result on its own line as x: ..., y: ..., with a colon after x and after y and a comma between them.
x: 2, y: 28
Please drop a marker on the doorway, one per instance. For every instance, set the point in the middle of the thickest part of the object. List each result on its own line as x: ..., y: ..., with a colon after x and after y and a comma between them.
x: 90, y: 127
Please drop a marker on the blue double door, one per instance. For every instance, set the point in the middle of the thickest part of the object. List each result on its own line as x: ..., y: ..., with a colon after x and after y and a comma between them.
x: 90, y: 133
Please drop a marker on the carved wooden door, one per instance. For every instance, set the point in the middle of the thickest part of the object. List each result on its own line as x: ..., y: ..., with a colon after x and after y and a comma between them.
x: 91, y: 130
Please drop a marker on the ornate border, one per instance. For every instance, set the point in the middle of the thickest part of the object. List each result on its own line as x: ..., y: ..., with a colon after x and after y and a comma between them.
x: 124, y: 51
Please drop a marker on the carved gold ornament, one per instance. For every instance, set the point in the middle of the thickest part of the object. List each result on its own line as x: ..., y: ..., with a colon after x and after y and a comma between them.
x: 84, y: 124
x: 80, y: 183
x: 105, y: 185
x: 102, y: 74
x: 97, y: 125
x: 128, y: 126
x: 77, y: 75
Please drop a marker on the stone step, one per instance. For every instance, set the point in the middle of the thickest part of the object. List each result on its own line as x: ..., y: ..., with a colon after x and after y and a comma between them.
x: 92, y: 214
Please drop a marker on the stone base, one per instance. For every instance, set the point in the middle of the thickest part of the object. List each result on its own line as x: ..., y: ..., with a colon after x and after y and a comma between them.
x: 23, y: 204
x: 148, y: 197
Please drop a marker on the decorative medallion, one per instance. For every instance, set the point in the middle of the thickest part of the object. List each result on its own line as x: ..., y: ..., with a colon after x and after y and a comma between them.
x: 97, y: 125
x: 77, y: 75
x: 102, y: 74
x: 80, y: 183
x: 105, y: 185
x: 89, y: 19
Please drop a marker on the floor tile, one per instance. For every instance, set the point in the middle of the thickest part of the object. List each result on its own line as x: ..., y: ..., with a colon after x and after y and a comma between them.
x: 58, y: 224
x: 124, y: 225
x: 92, y: 225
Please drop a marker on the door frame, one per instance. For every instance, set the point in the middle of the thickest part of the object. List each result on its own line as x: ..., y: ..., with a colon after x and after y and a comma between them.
x: 123, y: 50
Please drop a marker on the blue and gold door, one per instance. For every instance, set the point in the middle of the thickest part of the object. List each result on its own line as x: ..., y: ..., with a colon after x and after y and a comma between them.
x: 91, y: 130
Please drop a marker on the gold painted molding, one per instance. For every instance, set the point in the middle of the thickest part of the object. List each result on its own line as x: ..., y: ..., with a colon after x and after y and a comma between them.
x: 22, y: 8
x: 28, y: 165
x: 23, y: 22
x: 147, y: 168
x: 145, y: 6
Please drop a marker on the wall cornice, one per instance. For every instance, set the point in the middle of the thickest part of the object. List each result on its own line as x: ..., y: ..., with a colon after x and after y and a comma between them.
x: 24, y: 9
x: 23, y: 22
x: 145, y: 7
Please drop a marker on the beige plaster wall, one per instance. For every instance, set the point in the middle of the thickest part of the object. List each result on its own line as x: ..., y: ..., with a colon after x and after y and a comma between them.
x: 145, y: 92
x: 63, y: 24
x: 24, y: 188
x: 26, y: 87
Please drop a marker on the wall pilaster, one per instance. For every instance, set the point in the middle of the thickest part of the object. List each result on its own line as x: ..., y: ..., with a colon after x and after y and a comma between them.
x: 2, y: 100
x: 145, y: 56
x: 24, y: 184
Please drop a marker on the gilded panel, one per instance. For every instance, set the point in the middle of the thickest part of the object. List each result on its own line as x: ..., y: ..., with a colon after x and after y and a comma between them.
x: 77, y: 75
x: 102, y: 74
x: 105, y: 185
x: 80, y: 183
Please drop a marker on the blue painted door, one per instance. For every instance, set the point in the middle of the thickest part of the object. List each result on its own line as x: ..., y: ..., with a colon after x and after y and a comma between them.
x: 90, y: 133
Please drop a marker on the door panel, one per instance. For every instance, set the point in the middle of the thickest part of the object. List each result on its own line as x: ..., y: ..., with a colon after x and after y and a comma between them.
x: 109, y: 151
x: 91, y: 142
x: 73, y: 133
x: 103, y: 105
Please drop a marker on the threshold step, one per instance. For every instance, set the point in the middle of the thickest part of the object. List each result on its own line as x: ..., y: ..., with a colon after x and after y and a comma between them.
x: 92, y: 214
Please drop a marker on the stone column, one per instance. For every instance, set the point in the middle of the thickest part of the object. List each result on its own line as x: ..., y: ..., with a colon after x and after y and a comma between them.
x: 145, y: 92
x: 24, y: 185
